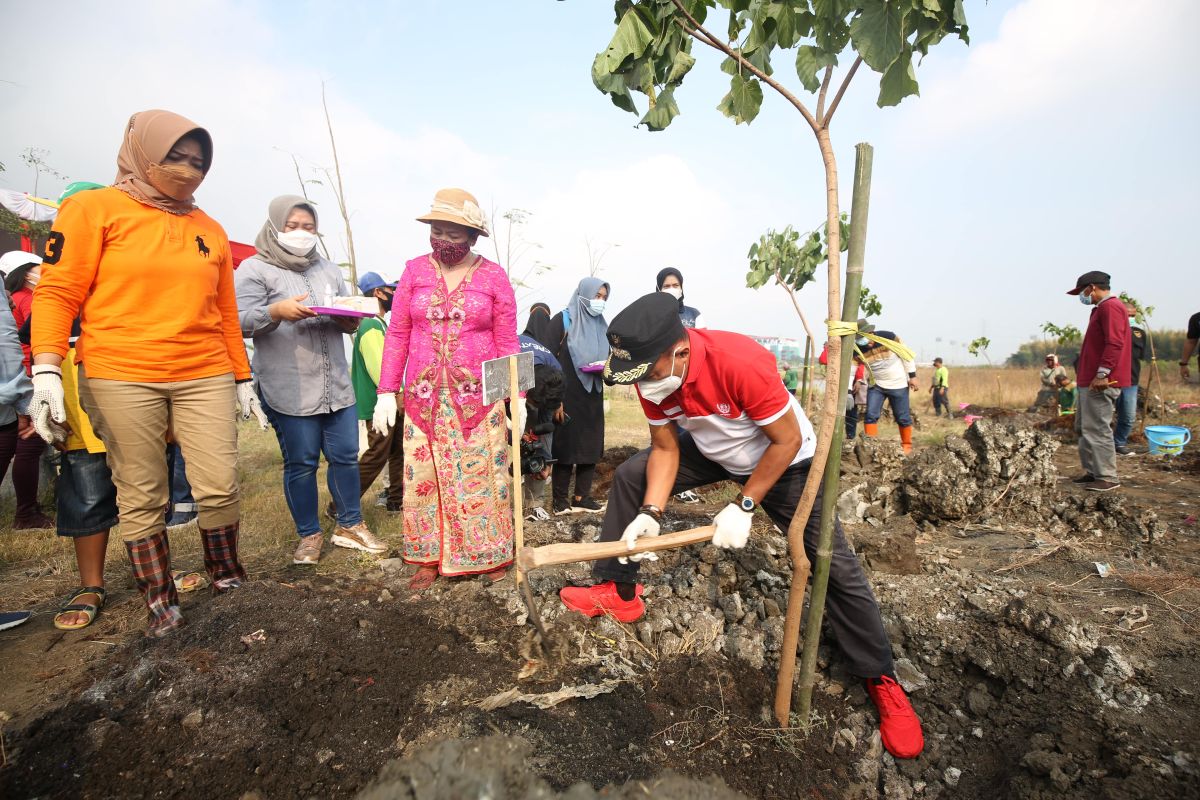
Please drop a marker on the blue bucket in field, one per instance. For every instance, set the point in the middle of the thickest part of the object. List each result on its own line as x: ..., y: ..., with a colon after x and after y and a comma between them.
x: 1167, y: 439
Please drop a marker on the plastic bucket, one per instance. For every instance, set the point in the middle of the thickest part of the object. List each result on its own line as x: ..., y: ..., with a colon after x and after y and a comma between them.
x: 1167, y: 439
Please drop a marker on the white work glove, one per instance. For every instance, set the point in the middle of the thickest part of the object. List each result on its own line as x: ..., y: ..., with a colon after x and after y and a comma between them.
x: 733, y: 527
x: 642, y: 525
x: 385, y: 413
x: 247, y: 402
x: 46, y: 406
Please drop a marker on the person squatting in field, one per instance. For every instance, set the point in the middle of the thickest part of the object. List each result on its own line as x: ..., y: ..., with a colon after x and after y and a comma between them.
x: 718, y: 411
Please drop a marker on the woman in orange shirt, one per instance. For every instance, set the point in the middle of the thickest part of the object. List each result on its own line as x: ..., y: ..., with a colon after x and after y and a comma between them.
x: 151, y: 277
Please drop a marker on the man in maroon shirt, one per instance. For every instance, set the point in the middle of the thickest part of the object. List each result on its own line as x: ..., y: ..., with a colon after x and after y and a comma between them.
x: 1103, y: 370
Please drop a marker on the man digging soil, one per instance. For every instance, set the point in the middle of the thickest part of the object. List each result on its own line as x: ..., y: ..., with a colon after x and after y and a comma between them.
x: 739, y: 423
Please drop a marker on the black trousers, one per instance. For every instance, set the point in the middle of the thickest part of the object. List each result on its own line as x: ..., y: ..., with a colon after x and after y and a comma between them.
x: 850, y: 605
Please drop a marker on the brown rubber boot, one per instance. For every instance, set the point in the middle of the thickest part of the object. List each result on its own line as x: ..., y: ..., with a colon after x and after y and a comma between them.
x: 221, y: 557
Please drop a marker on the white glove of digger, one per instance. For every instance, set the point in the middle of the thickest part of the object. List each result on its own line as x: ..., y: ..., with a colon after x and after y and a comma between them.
x: 733, y: 527
x: 642, y: 525
x: 46, y: 407
x: 385, y: 413
x: 247, y: 402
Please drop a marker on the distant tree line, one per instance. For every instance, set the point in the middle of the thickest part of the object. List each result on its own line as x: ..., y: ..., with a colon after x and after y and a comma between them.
x: 1168, y: 347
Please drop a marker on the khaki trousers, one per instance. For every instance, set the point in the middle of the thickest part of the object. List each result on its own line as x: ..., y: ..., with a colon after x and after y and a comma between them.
x: 132, y: 419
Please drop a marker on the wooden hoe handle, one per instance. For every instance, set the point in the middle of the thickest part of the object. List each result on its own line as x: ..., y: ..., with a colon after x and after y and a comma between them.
x: 533, y: 557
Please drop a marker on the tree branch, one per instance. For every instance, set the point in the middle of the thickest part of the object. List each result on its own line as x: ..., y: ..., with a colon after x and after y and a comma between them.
x: 841, y: 91
x: 701, y: 34
x: 824, y: 88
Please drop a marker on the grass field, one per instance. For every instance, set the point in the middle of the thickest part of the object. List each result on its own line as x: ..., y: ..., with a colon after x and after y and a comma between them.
x: 38, y: 566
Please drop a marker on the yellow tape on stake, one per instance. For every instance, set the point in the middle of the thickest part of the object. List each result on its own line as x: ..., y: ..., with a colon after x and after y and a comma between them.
x: 838, y: 327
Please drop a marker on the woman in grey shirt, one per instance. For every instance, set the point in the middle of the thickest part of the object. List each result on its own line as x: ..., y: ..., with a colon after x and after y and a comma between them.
x: 302, y: 374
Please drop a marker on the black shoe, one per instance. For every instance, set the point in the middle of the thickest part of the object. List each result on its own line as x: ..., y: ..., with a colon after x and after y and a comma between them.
x: 586, y: 504
x: 394, y: 508
x: 1086, y: 477
x: 1101, y: 485
x: 1124, y: 450
x: 562, y: 507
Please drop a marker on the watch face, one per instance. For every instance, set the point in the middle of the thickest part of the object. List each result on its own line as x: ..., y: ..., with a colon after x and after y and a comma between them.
x: 747, y: 504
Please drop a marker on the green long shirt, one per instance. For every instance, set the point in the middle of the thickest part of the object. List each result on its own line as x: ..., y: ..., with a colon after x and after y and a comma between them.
x: 367, y: 359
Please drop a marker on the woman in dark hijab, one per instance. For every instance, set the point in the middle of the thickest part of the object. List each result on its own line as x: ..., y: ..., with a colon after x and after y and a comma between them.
x: 538, y: 326
x: 670, y: 280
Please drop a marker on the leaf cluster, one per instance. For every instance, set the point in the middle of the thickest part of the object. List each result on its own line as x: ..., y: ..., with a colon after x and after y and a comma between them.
x: 650, y: 51
x: 868, y: 303
x: 790, y: 259
x: 1141, y: 312
x: 979, y: 346
x: 1062, y: 334
x: 10, y: 223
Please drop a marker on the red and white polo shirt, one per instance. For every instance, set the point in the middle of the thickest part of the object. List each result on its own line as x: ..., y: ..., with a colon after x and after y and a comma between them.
x: 732, y: 388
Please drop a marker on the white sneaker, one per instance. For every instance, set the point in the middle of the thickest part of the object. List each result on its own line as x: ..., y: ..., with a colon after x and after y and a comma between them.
x: 358, y: 537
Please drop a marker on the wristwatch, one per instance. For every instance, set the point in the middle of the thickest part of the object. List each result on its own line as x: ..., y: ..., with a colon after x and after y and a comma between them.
x: 746, y: 504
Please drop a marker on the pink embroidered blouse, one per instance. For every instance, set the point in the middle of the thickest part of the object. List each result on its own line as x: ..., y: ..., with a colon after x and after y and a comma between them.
x: 438, y: 340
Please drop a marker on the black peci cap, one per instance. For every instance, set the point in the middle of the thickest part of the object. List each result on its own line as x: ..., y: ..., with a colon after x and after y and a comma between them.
x: 639, y: 335
x: 1093, y: 278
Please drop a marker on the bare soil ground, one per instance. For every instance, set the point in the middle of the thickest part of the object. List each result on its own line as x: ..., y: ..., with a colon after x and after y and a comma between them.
x: 1035, y: 675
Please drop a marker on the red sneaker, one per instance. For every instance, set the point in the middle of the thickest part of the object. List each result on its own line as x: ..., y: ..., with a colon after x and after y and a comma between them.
x: 592, y: 601
x: 898, y: 723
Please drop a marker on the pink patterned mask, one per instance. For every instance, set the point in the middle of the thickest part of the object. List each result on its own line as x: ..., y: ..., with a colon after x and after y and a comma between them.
x: 449, y: 253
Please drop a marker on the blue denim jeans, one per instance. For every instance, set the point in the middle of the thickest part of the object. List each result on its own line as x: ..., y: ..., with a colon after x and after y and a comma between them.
x: 897, y: 399
x: 180, y: 489
x: 302, y: 440
x: 1126, y: 414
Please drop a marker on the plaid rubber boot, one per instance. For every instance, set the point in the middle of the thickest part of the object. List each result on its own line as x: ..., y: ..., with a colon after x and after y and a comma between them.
x: 151, y: 562
x: 221, y: 559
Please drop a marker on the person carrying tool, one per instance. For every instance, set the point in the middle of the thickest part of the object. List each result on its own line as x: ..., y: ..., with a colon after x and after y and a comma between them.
x: 718, y: 411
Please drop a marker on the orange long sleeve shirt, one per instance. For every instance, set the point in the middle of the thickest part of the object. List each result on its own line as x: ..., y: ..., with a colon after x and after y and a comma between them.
x: 154, y: 292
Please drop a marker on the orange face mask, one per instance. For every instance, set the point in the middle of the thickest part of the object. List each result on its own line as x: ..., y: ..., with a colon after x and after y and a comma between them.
x: 179, y: 181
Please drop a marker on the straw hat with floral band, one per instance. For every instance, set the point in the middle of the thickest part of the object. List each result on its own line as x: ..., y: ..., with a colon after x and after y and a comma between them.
x: 455, y: 221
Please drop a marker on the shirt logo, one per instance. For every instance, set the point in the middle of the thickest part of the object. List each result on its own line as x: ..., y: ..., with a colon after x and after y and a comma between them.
x: 723, y: 409
x: 201, y: 247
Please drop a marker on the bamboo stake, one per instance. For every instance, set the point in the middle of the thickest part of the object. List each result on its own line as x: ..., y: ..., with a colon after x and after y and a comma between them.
x: 859, y: 206
x: 804, y: 376
x: 518, y: 493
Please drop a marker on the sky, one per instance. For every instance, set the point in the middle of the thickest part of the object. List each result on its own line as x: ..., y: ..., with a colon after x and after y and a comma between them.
x: 1061, y: 140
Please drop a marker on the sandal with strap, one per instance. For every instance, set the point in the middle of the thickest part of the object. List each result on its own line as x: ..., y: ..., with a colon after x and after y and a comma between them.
x: 182, y: 583
x: 90, y: 609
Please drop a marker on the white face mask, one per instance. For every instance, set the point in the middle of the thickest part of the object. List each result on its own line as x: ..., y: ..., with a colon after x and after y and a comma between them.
x: 34, y: 275
x: 659, y: 390
x: 595, y: 306
x: 674, y: 291
x: 298, y: 242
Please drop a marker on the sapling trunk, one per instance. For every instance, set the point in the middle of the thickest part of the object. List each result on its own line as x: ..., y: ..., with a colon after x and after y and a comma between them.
x: 859, y: 206
x: 804, y: 378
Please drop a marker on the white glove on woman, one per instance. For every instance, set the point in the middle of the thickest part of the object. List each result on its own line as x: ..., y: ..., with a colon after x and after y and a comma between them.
x: 385, y: 413
x: 642, y: 525
x: 247, y: 401
x: 733, y: 527
x: 47, y: 405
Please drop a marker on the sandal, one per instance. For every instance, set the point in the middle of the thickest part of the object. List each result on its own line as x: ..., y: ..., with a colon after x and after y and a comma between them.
x: 496, y: 575
x: 90, y: 609
x: 188, y: 580
x: 423, y: 579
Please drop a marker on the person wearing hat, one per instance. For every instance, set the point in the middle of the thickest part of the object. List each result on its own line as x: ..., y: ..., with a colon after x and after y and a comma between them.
x: 302, y: 375
x: 718, y: 411
x: 670, y: 281
x: 155, y: 354
x: 579, y: 345
x: 894, y: 377
x: 366, y: 361
x: 22, y: 271
x: 1049, y: 376
x: 453, y: 310
x: 1102, y: 371
x: 940, y: 388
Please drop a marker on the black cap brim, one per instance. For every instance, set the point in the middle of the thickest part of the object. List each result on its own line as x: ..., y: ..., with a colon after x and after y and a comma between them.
x: 622, y: 372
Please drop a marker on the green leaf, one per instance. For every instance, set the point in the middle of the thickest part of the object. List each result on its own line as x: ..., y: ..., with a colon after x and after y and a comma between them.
x: 878, y: 32
x: 898, y: 82
x: 612, y: 85
x: 809, y: 61
x: 743, y: 101
x: 630, y: 41
x: 660, y: 115
x: 680, y: 66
